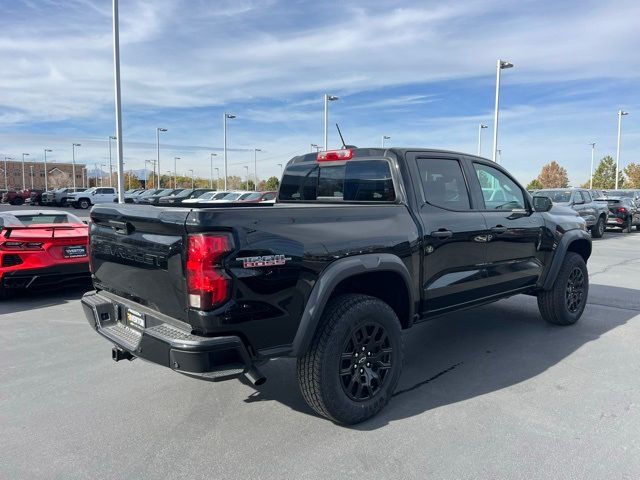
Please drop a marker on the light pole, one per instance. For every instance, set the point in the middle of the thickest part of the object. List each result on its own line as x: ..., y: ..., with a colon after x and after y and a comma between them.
x: 6, y: 181
x: 480, y: 128
x: 175, y: 172
x: 593, y: 148
x: 316, y: 146
x: 192, y: 181
x: 224, y: 129
x: 218, y: 178
x: 157, y: 166
x: 385, y: 137
x: 211, y: 155
x: 111, y: 137
x: 31, y: 168
x: 620, y: 115
x: 501, y: 65
x: 280, y: 165
x: 46, y: 180
x: 85, y: 174
x: 499, y: 157
x: 24, y: 181
x: 118, y: 102
x: 102, y: 174
x: 327, y: 98
x: 246, y: 167
x: 255, y: 168
x: 73, y: 157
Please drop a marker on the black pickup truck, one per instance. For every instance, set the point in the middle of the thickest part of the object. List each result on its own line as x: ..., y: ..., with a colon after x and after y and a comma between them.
x: 361, y: 245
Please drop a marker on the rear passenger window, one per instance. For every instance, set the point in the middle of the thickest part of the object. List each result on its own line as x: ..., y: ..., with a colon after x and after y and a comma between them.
x: 443, y: 183
x: 498, y: 190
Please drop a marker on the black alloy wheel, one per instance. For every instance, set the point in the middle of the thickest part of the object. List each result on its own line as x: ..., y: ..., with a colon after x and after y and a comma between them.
x: 365, y: 362
x: 574, y: 292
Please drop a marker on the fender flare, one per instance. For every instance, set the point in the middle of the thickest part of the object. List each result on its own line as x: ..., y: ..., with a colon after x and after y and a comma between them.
x: 336, y: 272
x: 560, y: 253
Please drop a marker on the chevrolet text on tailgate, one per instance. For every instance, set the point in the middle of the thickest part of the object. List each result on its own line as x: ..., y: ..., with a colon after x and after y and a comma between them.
x: 361, y: 245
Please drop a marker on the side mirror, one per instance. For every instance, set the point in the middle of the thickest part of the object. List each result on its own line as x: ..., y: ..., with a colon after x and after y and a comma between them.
x: 542, y: 203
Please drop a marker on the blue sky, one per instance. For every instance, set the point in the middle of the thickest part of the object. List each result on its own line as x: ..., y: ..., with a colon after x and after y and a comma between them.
x: 422, y: 72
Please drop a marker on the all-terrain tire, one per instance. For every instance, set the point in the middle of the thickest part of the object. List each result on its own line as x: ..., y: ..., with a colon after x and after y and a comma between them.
x: 597, y: 231
x: 84, y: 203
x: 560, y: 305
x: 321, y: 369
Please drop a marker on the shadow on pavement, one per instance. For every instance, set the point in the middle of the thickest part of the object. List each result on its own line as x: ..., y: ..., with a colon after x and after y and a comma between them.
x: 23, y: 301
x: 470, y: 353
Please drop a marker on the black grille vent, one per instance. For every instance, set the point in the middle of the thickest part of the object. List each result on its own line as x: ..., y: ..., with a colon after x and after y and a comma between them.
x: 11, y: 260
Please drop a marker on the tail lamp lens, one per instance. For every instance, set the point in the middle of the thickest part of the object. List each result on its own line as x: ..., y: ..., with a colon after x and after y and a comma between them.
x: 207, y: 283
x: 622, y: 210
x: 21, y: 245
x: 335, y: 155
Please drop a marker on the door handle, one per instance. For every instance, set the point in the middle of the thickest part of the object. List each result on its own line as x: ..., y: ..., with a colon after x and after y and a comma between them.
x: 442, y: 233
x: 499, y: 229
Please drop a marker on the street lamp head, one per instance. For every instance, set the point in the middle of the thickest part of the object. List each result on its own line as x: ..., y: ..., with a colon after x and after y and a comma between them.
x: 48, y: 150
x: 622, y: 112
x: 332, y: 98
x: 176, y: 158
x: 505, y: 64
x: 213, y: 154
x: 160, y: 129
x: 386, y: 137
x: 112, y: 137
x: 483, y: 126
x: 229, y: 115
x: 76, y: 144
x: 257, y: 149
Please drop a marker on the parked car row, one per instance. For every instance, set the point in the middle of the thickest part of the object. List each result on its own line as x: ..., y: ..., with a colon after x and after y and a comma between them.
x: 600, y: 209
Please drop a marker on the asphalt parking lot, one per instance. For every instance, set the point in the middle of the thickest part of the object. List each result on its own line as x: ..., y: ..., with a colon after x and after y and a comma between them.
x: 487, y: 393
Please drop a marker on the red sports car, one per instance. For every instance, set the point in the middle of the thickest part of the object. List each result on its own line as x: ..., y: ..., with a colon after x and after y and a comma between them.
x: 42, y: 249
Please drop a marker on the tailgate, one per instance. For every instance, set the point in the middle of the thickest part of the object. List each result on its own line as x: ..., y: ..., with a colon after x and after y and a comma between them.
x: 136, y: 253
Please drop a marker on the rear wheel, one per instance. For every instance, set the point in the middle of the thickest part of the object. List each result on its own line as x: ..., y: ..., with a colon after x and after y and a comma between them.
x: 627, y: 226
x: 597, y: 231
x: 354, y: 362
x: 564, y: 303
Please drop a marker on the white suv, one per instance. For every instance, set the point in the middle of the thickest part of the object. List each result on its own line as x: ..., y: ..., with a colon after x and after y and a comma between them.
x: 92, y: 196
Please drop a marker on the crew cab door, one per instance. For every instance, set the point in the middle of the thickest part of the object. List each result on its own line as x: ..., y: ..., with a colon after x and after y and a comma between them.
x: 453, y: 234
x: 588, y: 211
x: 513, y: 230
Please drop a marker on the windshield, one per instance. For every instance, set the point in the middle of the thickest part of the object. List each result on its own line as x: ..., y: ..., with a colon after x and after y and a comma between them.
x: 206, y: 196
x: 245, y: 196
x: 220, y: 195
x: 148, y: 192
x: 184, y: 193
x: 232, y: 196
x: 556, y: 196
x: 166, y: 191
x: 253, y: 196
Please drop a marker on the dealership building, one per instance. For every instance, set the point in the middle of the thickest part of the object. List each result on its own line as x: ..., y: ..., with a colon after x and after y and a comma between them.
x: 58, y: 175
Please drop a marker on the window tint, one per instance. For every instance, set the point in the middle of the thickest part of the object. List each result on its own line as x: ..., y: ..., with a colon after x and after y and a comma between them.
x: 498, y: 190
x: 355, y: 180
x: 443, y: 183
x: 587, y: 196
x: 269, y: 196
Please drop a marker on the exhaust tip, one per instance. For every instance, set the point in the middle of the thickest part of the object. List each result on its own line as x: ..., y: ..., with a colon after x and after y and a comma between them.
x: 255, y: 376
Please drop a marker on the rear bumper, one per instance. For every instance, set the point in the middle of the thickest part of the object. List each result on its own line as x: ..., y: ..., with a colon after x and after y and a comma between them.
x: 59, y: 276
x: 208, y: 358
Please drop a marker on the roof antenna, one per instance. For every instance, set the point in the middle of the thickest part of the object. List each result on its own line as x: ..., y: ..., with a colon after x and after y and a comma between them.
x: 344, y: 145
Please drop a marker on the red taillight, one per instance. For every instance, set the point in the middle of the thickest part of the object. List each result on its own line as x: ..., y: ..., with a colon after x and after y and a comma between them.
x: 622, y: 210
x: 335, y: 155
x: 207, y: 283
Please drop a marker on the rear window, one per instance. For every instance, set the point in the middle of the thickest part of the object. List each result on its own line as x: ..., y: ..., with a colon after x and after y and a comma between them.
x: 38, y: 219
x: 352, y: 181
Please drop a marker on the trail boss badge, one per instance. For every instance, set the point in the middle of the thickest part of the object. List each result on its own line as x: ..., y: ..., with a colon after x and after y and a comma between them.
x: 264, y: 261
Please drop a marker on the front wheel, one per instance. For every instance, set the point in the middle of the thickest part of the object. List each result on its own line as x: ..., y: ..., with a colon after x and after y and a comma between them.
x: 84, y: 203
x: 564, y: 303
x: 354, y: 363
